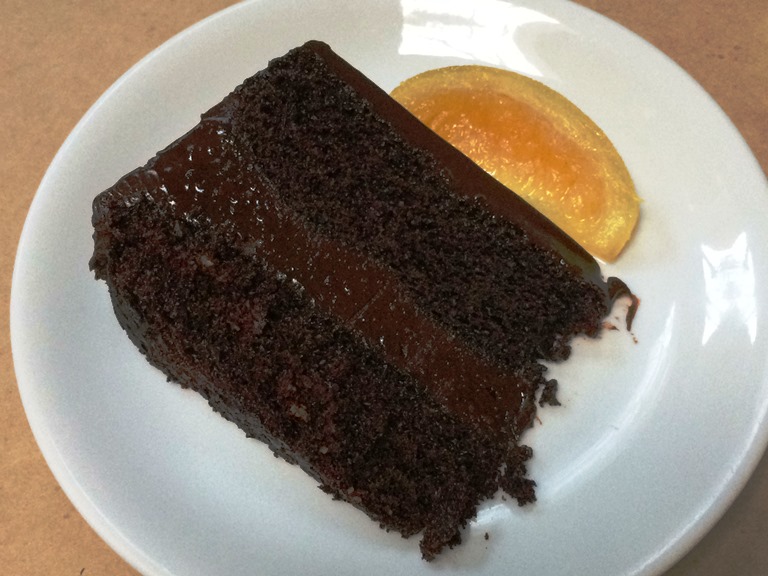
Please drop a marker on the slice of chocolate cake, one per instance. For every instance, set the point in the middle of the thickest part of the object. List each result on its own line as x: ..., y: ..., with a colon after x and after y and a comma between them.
x: 347, y: 287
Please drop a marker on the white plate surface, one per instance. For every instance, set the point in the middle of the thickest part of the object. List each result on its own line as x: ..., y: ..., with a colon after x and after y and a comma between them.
x: 655, y: 438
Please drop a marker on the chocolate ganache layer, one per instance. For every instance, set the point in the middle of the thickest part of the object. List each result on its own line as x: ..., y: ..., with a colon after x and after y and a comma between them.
x: 347, y: 287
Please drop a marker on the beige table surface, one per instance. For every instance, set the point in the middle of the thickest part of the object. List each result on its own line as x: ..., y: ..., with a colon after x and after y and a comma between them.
x: 57, y: 57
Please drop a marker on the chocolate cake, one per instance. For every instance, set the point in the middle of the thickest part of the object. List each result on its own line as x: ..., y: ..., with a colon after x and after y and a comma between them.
x: 348, y: 288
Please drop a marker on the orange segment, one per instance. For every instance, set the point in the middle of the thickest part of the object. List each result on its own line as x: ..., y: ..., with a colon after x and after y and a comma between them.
x: 536, y: 142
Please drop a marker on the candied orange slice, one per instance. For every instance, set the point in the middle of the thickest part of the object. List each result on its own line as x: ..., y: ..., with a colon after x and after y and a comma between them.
x: 536, y: 142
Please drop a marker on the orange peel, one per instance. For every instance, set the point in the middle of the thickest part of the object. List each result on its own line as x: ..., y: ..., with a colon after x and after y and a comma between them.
x: 537, y: 143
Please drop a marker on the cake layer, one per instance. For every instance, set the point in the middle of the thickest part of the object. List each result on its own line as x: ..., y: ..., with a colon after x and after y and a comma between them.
x: 470, y: 277
x: 347, y: 287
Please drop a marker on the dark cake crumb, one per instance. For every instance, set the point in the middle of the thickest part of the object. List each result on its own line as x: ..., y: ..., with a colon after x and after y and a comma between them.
x: 549, y: 394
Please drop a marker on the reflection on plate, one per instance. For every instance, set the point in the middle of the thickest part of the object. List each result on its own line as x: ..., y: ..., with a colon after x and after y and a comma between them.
x: 655, y: 437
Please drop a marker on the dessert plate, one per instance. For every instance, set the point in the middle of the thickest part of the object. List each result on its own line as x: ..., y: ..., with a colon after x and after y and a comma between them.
x: 659, y: 428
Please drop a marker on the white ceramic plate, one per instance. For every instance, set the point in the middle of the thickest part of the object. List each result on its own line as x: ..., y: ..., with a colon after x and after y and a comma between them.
x: 655, y: 438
